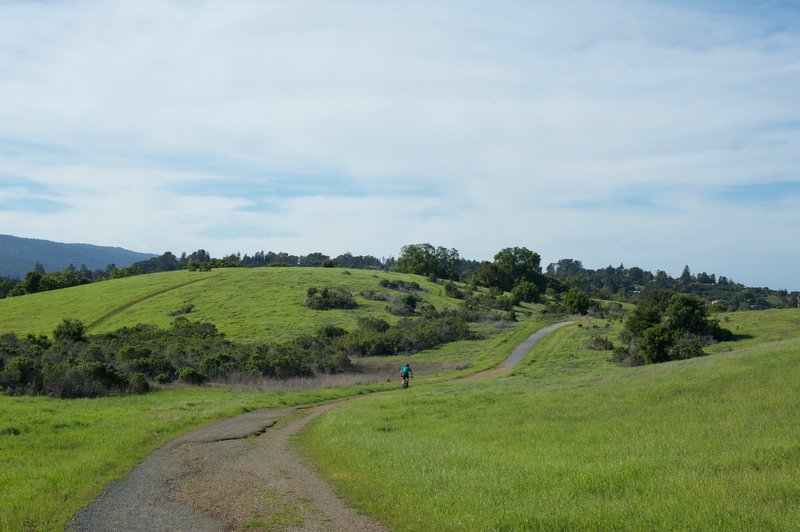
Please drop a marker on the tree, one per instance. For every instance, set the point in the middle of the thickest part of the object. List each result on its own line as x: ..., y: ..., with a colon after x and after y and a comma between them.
x: 686, y: 276
x: 576, y: 302
x: 565, y: 268
x: 488, y: 275
x: 424, y: 259
x: 30, y: 285
x: 313, y: 259
x: 510, y: 267
x: 669, y: 326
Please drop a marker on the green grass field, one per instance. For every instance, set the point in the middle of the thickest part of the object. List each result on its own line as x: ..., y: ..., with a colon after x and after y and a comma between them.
x: 570, y: 441
x: 250, y: 304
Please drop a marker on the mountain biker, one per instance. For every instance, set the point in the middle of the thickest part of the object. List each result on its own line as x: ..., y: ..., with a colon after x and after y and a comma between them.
x: 405, y: 374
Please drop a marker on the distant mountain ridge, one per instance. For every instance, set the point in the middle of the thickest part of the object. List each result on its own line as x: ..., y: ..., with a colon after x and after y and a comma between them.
x: 19, y: 255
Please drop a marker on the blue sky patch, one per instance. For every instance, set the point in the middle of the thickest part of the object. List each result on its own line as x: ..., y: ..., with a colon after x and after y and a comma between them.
x: 37, y: 205
x: 759, y: 193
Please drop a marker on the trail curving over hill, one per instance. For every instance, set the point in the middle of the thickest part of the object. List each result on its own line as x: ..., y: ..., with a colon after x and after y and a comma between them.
x: 129, y: 304
x: 237, y: 474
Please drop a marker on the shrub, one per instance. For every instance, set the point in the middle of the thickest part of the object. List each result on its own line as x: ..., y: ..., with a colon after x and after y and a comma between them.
x: 330, y: 298
x: 451, y: 290
x: 403, y: 286
x: 526, y: 291
x: 183, y: 310
x: 87, y: 379
x: 190, y: 375
x: 504, y: 302
x: 154, y: 366
x: 217, y: 365
x: 373, y: 324
x: 331, y: 331
x: 372, y: 295
x: 137, y: 383
x: 70, y: 330
x: 22, y: 375
x: 404, y: 306
x: 576, y: 302
x: 599, y: 343
x: 194, y: 329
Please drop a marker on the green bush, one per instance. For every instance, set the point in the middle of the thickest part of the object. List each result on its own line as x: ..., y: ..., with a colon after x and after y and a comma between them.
x: 526, y: 291
x: 190, y: 375
x: 70, y: 331
x: 329, y: 298
x: 87, y: 379
x: 22, y: 375
x: 403, y: 286
x: 451, y: 290
x: 599, y: 343
x: 669, y: 326
x: 137, y: 383
x: 576, y: 302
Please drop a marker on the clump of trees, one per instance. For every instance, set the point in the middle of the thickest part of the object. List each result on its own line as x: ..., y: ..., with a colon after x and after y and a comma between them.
x: 625, y: 284
x: 429, y: 261
x: 668, y: 326
x: 516, y: 270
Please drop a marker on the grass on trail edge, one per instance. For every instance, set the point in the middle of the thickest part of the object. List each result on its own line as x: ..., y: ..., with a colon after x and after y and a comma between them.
x: 570, y: 441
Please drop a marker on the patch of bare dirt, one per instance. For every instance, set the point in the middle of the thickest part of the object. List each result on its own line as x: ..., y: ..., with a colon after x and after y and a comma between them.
x: 261, y: 483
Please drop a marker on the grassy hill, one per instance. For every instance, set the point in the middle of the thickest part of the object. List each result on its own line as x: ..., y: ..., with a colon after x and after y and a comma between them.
x: 245, y: 303
x: 570, y: 441
x: 19, y: 255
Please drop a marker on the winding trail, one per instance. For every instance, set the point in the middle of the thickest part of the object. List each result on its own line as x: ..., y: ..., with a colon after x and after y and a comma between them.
x: 129, y: 304
x: 240, y: 473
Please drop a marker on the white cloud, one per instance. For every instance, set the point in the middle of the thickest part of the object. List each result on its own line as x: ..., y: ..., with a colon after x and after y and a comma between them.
x: 514, y: 122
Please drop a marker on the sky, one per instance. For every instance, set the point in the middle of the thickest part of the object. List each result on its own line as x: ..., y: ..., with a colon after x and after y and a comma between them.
x: 649, y: 134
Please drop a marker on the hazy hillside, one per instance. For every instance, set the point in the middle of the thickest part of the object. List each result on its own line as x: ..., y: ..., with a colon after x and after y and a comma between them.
x: 18, y: 255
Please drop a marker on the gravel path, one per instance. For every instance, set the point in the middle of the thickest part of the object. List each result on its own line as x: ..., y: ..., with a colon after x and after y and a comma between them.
x: 524, y: 348
x: 241, y: 473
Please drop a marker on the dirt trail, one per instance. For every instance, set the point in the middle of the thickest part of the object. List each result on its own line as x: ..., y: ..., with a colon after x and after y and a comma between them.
x: 241, y: 473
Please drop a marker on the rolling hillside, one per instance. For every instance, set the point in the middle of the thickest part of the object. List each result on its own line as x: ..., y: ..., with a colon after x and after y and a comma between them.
x: 19, y: 255
x: 246, y: 304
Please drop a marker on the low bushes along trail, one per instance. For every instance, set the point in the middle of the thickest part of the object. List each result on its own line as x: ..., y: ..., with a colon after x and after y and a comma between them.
x: 237, y: 474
